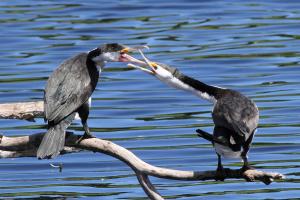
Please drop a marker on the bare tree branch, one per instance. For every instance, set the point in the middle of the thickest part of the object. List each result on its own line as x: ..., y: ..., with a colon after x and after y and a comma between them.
x: 24, y: 110
x: 147, y: 186
x: 26, y: 146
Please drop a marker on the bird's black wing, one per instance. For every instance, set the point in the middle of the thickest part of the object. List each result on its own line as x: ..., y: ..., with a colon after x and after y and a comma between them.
x: 68, y: 87
x: 238, y: 113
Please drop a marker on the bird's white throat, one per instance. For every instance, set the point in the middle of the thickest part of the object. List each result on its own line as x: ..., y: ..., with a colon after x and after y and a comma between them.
x: 168, y: 78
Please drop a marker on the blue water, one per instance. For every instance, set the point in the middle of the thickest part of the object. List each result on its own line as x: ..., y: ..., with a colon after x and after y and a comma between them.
x: 249, y: 46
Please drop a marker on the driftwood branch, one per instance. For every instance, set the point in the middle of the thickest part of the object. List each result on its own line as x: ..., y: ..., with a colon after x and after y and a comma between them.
x: 26, y: 110
x: 26, y: 146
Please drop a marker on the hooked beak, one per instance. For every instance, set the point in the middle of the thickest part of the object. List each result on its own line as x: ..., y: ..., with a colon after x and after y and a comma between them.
x: 125, y: 57
x: 152, y: 65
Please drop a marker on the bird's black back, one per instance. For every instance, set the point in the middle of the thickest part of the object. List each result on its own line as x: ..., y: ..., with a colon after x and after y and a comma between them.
x: 236, y: 113
x: 68, y: 87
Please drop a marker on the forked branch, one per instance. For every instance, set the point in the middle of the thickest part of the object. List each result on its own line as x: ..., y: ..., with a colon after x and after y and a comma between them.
x: 26, y: 146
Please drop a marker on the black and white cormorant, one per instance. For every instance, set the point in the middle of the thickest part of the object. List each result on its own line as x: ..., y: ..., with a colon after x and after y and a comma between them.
x: 235, y: 116
x: 68, y: 92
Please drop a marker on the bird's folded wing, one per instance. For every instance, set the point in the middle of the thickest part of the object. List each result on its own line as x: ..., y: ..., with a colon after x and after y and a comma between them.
x: 67, y: 88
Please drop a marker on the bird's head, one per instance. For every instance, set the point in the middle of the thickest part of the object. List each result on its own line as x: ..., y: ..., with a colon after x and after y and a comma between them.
x: 113, y: 52
x: 172, y: 77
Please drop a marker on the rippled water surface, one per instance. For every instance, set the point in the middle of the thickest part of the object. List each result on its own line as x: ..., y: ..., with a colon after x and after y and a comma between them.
x: 249, y: 46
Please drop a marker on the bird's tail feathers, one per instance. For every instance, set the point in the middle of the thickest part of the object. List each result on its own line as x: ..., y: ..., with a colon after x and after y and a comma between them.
x: 53, y: 142
x: 211, y: 138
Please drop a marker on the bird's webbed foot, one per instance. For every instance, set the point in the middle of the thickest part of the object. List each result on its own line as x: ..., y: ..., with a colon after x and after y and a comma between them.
x: 85, y: 136
x: 88, y: 135
x: 246, y: 167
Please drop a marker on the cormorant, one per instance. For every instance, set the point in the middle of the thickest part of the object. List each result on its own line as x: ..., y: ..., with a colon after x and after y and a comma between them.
x: 68, y: 92
x: 235, y: 116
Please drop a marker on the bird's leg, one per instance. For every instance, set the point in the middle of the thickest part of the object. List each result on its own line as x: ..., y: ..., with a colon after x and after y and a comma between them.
x: 246, y: 165
x: 83, y: 112
x: 246, y: 148
x: 220, y: 173
x: 87, y: 133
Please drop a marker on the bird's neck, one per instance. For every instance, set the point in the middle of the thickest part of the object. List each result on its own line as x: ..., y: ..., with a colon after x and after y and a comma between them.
x: 207, y: 92
x: 93, y: 71
x: 95, y: 58
x: 99, y: 65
